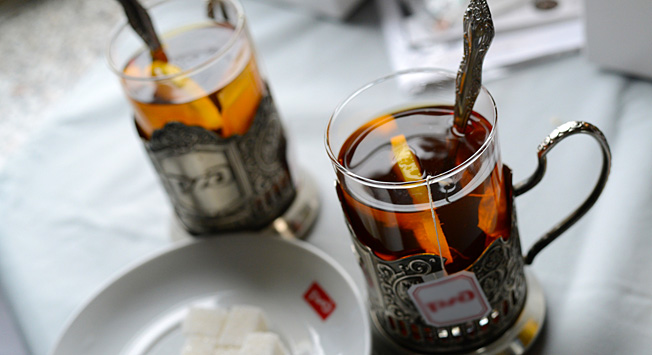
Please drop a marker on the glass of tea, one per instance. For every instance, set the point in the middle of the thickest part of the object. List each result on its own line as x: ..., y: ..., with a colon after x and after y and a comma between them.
x: 430, y: 211
x: 397, y: 155
x: 208, y: 121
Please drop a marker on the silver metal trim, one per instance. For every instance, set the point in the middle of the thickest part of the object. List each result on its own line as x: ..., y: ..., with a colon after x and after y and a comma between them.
x: 516, y: 340
x: 565, y: 130
x: 294, y: 223
x: 500, y: 271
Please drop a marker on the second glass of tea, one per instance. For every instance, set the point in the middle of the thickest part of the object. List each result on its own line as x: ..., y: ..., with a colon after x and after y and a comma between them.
x: 207, y: 118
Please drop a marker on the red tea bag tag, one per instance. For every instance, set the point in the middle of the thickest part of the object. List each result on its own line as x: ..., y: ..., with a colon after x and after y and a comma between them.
x: 453, y: 299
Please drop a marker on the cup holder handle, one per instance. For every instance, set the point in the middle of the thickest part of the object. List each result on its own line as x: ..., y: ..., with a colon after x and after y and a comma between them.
x: 565, y: 130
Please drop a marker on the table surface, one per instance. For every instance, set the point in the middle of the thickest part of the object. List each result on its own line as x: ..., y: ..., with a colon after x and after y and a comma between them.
x: 80, y: 201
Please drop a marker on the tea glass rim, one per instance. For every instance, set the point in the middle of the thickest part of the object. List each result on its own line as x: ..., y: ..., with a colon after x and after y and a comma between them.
x: 119, y: 71
x: 428, y: 179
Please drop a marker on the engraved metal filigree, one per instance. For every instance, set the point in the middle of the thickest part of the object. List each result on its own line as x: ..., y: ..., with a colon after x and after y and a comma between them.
x: 499, y: 270
x: 222, y: 184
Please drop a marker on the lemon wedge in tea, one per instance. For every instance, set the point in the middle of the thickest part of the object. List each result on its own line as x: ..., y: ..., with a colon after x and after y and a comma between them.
x: 429, y: 235
x: 202, y: 106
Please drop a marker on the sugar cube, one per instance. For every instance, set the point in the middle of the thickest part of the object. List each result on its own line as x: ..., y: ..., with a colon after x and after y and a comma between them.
x: 204, y: 321
x: 240, y: 321
x: 199, y: 345
x: 262, y: 343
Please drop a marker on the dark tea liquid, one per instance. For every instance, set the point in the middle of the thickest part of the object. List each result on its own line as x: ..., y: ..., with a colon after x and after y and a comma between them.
x: 469, y: 224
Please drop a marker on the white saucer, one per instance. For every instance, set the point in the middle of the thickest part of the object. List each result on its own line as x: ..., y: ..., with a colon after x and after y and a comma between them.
x: 140, y: 312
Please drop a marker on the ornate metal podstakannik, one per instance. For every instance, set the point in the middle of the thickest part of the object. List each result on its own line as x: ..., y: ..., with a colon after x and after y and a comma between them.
x: 223, y: 184
x: 518, y: 312
x: 500, y: 271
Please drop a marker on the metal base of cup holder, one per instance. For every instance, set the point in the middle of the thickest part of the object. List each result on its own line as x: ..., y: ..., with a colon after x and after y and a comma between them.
x: 515, y: 341
x: 294, y: 223
x: 302, y: 213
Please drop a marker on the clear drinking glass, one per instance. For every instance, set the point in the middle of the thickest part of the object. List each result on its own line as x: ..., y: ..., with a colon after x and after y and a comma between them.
x: 393, y: 216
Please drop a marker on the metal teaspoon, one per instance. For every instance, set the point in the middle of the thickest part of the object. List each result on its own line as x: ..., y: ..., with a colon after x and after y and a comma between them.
x: 478, y: 34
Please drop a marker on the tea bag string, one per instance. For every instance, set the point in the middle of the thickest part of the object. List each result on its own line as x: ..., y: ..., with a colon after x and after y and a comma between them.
x: 429, y: 178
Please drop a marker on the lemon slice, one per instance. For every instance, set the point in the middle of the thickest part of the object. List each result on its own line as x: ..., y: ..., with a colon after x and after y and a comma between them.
x: 529, y: 332
x: 430, y: 236
x: 161, y: 68
x: 408, y: 165
x: 240, y: 100
x: 182, y: 86
x: 487, y: 213
x: 490, y: 208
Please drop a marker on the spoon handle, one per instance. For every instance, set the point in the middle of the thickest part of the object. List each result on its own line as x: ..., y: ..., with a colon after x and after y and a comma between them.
x: 141, y: 23
x: 478, y: 34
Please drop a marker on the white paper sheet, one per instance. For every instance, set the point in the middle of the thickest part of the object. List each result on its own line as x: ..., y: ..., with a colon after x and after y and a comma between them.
x: 523, y: 34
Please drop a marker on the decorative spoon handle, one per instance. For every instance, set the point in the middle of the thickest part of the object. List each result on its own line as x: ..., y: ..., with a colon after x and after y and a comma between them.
x: 210, y: 10
x: 478, y: 33
x: 141, y: 23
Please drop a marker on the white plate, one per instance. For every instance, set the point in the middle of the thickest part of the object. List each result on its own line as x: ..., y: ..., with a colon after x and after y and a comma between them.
x: 140, y: 312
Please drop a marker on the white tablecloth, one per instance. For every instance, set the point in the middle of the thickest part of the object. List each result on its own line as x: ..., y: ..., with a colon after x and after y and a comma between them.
x: 80, y: 201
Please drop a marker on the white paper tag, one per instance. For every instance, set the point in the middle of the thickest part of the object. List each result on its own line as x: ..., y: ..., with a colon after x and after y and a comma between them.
x: 453, y: 299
